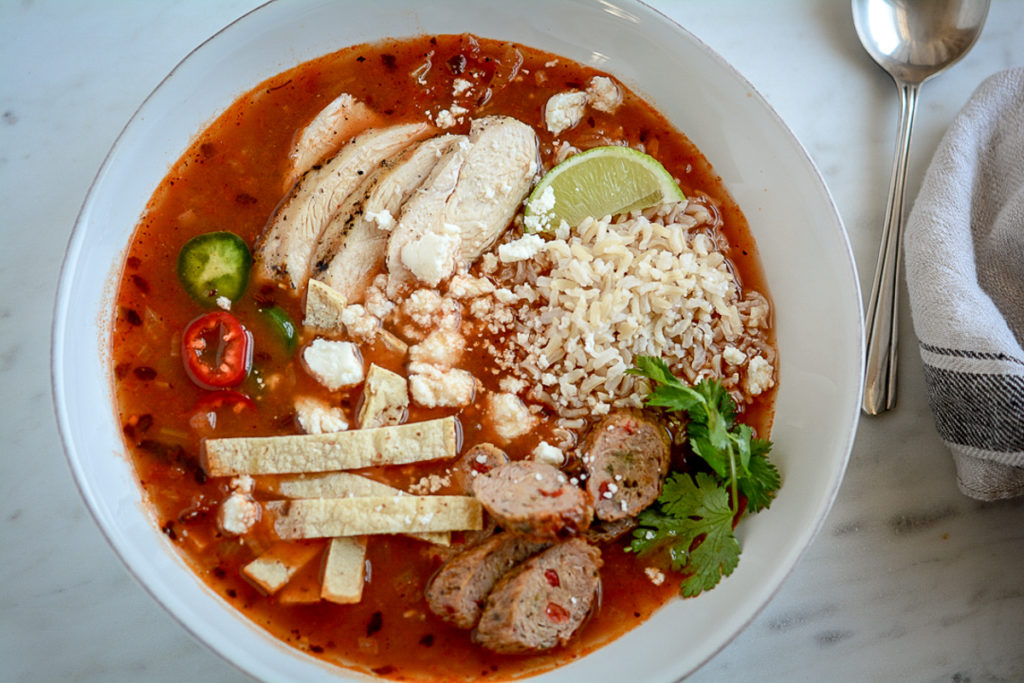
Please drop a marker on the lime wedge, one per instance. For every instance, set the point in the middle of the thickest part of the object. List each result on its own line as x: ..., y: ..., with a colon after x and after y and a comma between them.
x: 603, y: 181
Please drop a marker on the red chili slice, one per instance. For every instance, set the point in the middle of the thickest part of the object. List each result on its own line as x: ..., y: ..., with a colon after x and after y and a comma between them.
x: 217, y: 350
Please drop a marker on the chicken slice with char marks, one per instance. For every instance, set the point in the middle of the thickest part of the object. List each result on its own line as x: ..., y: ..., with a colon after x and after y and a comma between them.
x: 285, y: 248
x: 352, y: 248
x: 339, y: 121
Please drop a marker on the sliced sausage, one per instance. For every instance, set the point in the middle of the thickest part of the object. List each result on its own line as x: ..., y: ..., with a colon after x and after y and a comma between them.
x: 541, y: 603
x: 458, y: 590
x: 534, y: 499
x: 627, y: 456
x: 478, y: 460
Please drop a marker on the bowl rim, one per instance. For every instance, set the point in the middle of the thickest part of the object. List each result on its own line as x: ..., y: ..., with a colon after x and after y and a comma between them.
x: 59, y: 331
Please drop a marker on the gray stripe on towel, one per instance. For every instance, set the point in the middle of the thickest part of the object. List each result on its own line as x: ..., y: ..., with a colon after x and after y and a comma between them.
x: 983, y: 411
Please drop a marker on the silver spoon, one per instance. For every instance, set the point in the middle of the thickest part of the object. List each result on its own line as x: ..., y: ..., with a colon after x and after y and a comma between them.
x: 912, y: 40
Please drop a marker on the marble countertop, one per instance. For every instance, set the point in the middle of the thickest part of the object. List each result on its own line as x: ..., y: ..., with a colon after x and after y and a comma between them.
x: 908, y: 579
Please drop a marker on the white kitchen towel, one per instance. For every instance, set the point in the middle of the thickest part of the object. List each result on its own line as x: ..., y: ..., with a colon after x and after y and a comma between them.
x: 964, y: 247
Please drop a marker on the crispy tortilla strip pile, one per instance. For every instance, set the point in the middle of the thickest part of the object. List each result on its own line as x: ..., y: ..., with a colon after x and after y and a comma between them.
x: 345, y: 507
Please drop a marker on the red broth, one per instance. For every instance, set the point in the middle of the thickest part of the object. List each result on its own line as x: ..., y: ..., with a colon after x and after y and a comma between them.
x: 230, y: 178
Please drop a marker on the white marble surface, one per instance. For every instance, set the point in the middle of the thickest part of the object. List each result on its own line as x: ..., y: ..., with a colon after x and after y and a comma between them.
x: 908, y: 580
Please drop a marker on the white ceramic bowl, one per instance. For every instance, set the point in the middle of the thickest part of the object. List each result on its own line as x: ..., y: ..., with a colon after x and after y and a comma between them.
x: 802, y: 241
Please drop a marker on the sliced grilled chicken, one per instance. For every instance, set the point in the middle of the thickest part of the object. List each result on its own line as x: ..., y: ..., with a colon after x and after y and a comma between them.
x: 422, y: 216
x: 466, y: 205
x: 493, y: 183
x: 286, y: 246
x: 341, y: 120
x: 352, y: 247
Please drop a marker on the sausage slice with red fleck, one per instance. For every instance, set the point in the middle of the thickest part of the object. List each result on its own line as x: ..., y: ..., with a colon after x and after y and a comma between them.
x: 480, y: 459
x: 534, y: 499
x: 541, y: 603
x: 627, y: 457
x: 458, y: 590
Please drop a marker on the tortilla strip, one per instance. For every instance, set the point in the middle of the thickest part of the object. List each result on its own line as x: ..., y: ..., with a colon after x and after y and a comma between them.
x: 345, y: 485
x: 303, y: 588
x: 279, y: 563
x: 385, y: 398
x: 396, y: 445
x: 324, y: 517
x: 324, y: 306
x: 343, y: 571
x: 392, y: 342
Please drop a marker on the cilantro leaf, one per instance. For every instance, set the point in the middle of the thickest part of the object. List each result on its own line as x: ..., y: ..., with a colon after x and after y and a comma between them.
x: 692, y: 517
x: 760, y: 487
x: 655, y: 369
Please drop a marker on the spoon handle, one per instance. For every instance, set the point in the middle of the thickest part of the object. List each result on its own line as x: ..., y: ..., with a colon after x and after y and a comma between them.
x: 880, y: 371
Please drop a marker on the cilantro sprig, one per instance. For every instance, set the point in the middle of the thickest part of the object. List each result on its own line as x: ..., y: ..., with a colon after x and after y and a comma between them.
x: 730, y: 449
x: 693, y: 517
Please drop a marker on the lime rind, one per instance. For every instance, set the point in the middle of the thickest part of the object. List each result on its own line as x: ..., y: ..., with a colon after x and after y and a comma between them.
x: 602, y: 181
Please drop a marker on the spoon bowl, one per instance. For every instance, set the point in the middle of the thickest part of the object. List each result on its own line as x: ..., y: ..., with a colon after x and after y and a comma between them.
x: 912, y: 40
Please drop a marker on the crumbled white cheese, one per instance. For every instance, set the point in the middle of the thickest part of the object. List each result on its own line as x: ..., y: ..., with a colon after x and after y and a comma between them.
x: 733, y: 356
x: 546, y: 453
x: 526, y: 247
x: 432, y: 257
x: 433, y: 387
x: 319, y: 417
x: 238, y: 513
x: 603, y: 94
x: 541, y: 210
x: 224, y: 302
x: 759, y: 376
x: 383, y: 218
x: 422, y: 303
x: 429, y: 310
x: 466, y: 286
x: 431, y: 483
x: 564, y: 110
x: 377, y: 303
x: 509, y: 416
x: 359, y: 323
x: 335, y: 364
x: 243, y: 484
x: 656, y: 576
x: 489, y: 262
x: 512, y: 385
x: 460, y: 85
x: 458, y: 111
x: 444, y: 119
x: 442, y: 348
x: 544, y: 202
